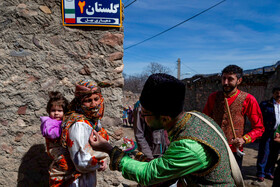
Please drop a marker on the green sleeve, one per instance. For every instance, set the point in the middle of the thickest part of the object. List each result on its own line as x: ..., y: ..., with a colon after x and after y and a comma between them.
x: 277, y: 130
x: 182, y: 157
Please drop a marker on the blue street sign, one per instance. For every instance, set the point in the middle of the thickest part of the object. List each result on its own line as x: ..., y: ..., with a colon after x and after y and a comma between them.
x: 92, y: 13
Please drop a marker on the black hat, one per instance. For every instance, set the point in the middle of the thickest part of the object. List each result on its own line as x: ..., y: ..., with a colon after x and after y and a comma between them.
x: 163, y: 95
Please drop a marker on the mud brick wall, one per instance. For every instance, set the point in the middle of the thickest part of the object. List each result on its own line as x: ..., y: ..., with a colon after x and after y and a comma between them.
x: 198, y: 88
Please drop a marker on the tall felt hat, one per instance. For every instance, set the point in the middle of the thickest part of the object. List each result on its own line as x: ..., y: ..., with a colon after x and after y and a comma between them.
x: 163, y: 94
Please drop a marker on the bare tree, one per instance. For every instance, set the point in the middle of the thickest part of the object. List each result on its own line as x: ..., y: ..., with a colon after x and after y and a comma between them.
x: 155, y: 67
x: 135, y: 83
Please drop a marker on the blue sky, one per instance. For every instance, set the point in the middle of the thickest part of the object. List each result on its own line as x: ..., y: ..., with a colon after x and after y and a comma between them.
x: 241, y: 32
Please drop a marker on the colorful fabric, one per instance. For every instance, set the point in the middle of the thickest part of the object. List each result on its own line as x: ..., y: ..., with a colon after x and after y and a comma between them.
x: 50, y: 128
x: 195, y: 153
x: 74, y: 148
x: 219, y: 171
x: 182, y: 158
x: 72, y: 118
x: 86, y: 160
x: 136, y: 105
x: 85, y: 87
x: 124, y: 116
x: 62, y: 164
x: 221, y: 116
x: 62, y: 170
x: 250, y: 108
x: 94, y: 112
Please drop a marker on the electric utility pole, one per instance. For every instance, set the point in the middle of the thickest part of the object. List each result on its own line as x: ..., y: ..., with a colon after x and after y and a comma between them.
x: 178, y: 68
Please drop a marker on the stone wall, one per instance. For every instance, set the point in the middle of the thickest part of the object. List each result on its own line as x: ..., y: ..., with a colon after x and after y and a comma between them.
x: 38, y: 54
x: 198, y: 88
x: 130, y: 98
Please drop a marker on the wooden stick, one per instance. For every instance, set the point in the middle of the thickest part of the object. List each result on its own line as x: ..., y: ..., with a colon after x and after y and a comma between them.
x: 230, y: 119
x: 232, y: 128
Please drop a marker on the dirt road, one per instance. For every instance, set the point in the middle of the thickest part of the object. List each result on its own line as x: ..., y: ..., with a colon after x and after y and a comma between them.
x: 249, y: 166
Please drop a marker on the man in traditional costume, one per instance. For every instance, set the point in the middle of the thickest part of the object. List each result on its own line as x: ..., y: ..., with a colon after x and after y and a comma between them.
x: 196, y: 154
x: 240, y: 104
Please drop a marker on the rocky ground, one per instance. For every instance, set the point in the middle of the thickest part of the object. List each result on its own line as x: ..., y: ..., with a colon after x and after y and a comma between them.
x: 249, y: 164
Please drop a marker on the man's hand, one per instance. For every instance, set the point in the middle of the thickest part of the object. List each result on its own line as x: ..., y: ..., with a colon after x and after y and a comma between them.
x: 277, y: 137
x: 238, y: 142
x: 103, y: 165
x: 98, y: 143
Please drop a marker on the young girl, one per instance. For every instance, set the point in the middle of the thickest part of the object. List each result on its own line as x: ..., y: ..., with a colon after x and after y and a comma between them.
x: 51, y: 125
x: 124, y: 116
x: 51, y: 130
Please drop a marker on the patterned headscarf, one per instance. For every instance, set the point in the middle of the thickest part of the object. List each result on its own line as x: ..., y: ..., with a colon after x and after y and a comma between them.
x: 86, y: 87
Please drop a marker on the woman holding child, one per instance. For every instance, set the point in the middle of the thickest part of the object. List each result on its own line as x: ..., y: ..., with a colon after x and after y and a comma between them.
x: 78, y: 164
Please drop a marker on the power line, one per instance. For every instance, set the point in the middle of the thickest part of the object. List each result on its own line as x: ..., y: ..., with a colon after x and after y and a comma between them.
x: 144, y: 56
x: 124, y: 1
x: 175, y: 25
x: 130, y: 4
x: 190, y: 68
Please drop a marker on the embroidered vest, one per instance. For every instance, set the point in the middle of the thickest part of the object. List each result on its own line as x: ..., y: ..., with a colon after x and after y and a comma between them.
x: 220, y: 115
x: 196, y: 129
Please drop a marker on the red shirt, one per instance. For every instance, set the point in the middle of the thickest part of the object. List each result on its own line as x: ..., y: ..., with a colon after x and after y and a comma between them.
x: 250, y: 108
